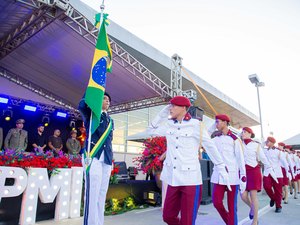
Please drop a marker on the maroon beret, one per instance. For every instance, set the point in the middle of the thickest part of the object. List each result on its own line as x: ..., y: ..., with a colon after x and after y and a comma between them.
x: 180, y: 101
x: 223, y: 117
x: 271, y: 139
x: 249, y: 130
x: 287, y: 146
x: 281, y: 144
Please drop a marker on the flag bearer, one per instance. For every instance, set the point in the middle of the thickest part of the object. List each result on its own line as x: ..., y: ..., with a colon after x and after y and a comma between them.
x: 97, y: 179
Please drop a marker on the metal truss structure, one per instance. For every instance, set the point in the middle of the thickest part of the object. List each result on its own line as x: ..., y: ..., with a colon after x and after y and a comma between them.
x: 190, y: 94
x: 48, y: 109
x: 45, y: 12
x: 40, y: 91
x: 176, y: 76
x: 138, y: 104
x: 41, y: 17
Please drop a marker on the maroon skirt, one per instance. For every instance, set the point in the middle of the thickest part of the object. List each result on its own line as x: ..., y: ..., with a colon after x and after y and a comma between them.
x: 254, y: 178
x: 285, y: 180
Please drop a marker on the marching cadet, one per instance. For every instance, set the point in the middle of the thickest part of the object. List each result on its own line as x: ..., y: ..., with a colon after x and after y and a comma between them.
x: 292, y: 170
x: 273, y: 188
x: 17, y: 138
x: 230, y: 148
x: 253, y: 153
x: 181, y: 170
x: 286, y: 174
x: 298, y: 170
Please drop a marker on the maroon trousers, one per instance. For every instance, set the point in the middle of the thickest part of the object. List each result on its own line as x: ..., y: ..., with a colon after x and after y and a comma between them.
x: 273, y: 189
x: 230, y: 216
x: 183, y: 199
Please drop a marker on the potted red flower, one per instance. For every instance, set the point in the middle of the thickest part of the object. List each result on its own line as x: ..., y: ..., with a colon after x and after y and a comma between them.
x: 150, y: 161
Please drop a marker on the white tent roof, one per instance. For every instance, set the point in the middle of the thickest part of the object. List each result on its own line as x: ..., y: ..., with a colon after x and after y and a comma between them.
x: 295, y: 140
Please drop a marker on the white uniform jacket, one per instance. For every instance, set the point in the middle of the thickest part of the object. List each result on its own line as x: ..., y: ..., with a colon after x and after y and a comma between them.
x: 276, y: 158
x: 291, y: 163
x: 230, y: 148
x: 296, y: 161
x: 254, y: 153
x: 181, y: 166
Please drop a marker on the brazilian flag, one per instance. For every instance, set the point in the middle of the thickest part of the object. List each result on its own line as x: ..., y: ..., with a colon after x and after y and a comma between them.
x: 102, y: 63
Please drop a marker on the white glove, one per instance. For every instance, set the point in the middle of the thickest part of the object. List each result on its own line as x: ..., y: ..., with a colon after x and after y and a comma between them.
x: 243, y: 180
x: 288, y: 174
x: 271, y: 171
x: 162, y: 115
x: 224, y: 174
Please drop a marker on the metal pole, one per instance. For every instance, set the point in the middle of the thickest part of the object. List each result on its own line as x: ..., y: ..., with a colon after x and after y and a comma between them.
x: 88, y: 159
x: 260, y: 118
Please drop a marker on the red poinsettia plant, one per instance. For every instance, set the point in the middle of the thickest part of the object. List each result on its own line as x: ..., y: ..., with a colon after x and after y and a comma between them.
x: 39, y: 160
x: 150, y: 160
x: 113, y: 175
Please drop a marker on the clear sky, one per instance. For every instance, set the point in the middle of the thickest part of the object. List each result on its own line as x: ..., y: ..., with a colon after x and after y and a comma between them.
x: 224, y: 41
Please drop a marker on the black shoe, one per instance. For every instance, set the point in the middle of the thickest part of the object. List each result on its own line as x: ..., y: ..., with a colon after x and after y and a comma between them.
x: 272, y: 203
x: 285, y: 202
x: 278, y: 210
x: 251, y: 216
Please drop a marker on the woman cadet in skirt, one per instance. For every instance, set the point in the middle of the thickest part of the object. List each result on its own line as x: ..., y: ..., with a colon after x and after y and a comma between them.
x: 252, y: 155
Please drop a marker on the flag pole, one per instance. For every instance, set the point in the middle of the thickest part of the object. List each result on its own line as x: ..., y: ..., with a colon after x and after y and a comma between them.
x: 88, y: 158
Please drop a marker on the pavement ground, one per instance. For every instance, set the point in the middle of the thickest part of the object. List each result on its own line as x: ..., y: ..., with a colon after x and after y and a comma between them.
x: 207, y: 215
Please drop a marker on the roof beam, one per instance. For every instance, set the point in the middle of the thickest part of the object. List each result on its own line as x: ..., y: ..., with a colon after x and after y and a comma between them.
x: 139, y: 104
x: 34, y: 88
x: 41, y: 17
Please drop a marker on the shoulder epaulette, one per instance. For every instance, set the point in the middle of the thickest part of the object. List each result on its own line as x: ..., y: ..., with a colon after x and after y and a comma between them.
x: 232, y: 135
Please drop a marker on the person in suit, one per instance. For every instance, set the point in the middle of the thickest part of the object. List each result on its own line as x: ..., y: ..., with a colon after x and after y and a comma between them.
x: 17, y: 138
x: 181, y: 170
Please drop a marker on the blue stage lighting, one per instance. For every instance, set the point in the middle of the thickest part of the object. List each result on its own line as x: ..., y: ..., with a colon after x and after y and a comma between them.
x: 61, y: 114
x: 30, y: 108
x: 3, y: 100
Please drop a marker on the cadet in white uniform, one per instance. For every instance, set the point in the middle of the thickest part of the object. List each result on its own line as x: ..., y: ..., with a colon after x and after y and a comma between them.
x: 274, y: 189
x: 230, y: 147
x: 252, y: 155
x: 181, y: 170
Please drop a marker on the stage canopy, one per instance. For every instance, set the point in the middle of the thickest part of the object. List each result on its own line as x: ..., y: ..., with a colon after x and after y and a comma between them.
x: 47, y: 46
x: 294, y: 141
